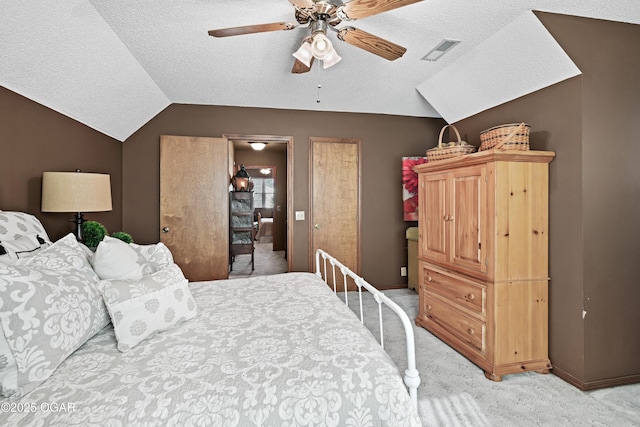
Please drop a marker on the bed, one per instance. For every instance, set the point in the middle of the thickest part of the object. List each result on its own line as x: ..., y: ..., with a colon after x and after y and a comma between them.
x: 265, y: 226
x: 278, y: 350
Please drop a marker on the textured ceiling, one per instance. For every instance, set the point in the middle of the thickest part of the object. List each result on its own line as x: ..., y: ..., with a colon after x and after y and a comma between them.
x: 114, y: 64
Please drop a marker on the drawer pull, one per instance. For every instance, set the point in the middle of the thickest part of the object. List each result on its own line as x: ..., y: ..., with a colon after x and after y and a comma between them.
x: 429, y: 278
x: 471, y: 297
x: 429, y: 307
x: 470, y: 331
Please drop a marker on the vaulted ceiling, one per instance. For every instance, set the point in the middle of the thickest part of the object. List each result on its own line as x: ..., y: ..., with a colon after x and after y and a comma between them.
x: 114, y: 64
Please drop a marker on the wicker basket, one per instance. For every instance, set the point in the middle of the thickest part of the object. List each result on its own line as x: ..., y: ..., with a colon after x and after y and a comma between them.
x: 512, y: 136
x: 451, y: 149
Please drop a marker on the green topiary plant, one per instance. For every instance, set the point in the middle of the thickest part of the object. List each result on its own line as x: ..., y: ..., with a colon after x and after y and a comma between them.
x: 92, y: 233
x: 125, y: 237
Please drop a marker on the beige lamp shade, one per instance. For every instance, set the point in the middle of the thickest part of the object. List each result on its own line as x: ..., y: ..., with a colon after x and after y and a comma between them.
x: 75, y: 192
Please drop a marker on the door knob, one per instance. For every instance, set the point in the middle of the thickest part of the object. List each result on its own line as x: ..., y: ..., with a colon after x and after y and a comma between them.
x: 317, y: 226
x: 165, y: 229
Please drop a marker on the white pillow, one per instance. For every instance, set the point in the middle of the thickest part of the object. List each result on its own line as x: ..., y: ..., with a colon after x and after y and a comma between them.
x: 115, y: 259
x: 23, y: 247
x: 139, y: 309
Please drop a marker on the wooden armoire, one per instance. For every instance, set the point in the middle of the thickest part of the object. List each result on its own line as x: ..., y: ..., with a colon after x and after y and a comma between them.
x: 483, y: 258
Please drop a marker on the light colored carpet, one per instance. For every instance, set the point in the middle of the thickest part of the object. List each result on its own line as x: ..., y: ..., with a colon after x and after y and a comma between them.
x: 454, y: 392
x: 266, y: 262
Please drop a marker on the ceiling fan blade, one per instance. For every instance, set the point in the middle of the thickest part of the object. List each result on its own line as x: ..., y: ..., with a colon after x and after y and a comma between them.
x: 300, y: 68
x: 302, y: 3
x: 358, y: 9
x: 250, y: 29
x: 371, y: 43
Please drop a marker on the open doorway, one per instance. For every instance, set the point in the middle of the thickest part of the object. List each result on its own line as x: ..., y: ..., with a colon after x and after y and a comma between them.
x: 270, y: 169
x: 266, y: 213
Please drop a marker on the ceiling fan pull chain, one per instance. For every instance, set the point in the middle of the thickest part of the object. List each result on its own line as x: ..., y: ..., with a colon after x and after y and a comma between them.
x: 319, y: 84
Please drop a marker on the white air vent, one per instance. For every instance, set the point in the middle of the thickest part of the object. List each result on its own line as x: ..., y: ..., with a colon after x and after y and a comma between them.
x: 443, y: 47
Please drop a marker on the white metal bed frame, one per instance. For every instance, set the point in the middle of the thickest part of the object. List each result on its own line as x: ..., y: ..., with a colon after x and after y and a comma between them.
x: 411, y: 374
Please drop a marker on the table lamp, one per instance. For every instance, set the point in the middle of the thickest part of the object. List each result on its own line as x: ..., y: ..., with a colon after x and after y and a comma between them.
x: 76, y: 192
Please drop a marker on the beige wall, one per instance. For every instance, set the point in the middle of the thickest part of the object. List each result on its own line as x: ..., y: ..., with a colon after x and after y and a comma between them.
x: 36, y: 139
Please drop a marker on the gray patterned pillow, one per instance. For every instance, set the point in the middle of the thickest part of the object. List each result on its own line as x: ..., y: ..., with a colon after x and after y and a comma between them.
x: 49, y: 306
x: 139, y: 309
x: 8, y: 368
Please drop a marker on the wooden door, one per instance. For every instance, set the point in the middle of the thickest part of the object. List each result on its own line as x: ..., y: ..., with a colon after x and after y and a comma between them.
x: 467, y: 217
x: 335, y: 200
x: 433, y: 220
x: 194, y: 200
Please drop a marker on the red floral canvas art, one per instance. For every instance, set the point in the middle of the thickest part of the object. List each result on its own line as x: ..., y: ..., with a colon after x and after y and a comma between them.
x: 410, y: 187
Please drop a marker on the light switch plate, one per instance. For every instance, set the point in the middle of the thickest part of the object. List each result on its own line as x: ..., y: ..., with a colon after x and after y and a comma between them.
x: 299, y: 215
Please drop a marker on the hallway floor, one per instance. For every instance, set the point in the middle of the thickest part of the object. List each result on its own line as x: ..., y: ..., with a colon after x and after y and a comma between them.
x: 266, y: 262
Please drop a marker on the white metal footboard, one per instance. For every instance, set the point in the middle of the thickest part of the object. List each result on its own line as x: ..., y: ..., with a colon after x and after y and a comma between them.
x: 411, y: 374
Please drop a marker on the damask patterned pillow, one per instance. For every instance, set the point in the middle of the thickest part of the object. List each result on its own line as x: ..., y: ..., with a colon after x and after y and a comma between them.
x: 139, y: 309
x: 8, y: 368
x: 153, y: 257
x: 49, y: 306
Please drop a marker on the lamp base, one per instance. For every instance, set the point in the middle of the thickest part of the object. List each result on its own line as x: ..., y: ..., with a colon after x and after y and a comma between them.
x: 78, y: 220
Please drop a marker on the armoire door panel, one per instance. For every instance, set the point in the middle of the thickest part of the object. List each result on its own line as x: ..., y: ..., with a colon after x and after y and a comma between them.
x: 468, y: 215
x: 434, y: 216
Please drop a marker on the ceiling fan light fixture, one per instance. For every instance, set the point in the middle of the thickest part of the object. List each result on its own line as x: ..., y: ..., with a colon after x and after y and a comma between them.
x: 321, y: 46
x: 331, y: 59
x: 303, y: 54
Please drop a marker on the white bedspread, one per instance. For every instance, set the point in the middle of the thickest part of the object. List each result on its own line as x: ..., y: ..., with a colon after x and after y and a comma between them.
x: 275, y: 351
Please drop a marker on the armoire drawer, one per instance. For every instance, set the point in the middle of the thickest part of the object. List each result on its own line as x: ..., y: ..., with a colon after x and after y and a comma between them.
x: 465, y: 328
x: 466, y: 293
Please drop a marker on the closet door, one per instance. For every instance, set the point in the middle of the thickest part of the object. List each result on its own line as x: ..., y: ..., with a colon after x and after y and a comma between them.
x: 335, y: 200
x: 194, y: 200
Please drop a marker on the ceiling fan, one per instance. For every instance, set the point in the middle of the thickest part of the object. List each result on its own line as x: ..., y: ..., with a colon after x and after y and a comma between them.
x: 321, y: 15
